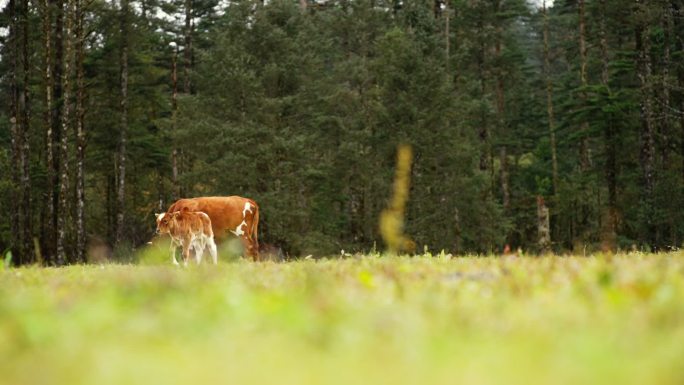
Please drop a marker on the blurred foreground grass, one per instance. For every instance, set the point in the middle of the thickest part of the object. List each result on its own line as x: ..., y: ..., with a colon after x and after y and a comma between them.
x: 371, y: 320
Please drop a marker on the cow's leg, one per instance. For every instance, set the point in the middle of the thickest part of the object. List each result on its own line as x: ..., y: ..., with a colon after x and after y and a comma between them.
x: 250, y: 250
x: 173, y: 248
x: 255, y: 250
x: 246, y: 252
x: 212, y: 250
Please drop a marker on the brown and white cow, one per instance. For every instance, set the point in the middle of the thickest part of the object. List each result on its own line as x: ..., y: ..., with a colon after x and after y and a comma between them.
x: 229, y: 215
x: 188, y: 229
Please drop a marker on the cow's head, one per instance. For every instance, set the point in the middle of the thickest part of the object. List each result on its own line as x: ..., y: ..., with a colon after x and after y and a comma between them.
x: 163, y: 221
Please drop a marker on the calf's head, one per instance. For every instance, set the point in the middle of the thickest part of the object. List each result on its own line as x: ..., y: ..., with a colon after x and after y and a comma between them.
x: 164, y: 221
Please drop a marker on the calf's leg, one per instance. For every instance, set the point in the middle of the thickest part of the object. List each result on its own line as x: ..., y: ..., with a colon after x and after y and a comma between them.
x: 173, y: 253
x: 186, y: 251
x: 212, y: 249
x: 198, y: 245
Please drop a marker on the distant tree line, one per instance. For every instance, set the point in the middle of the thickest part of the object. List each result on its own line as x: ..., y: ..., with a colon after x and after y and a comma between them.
x: 514, y: 110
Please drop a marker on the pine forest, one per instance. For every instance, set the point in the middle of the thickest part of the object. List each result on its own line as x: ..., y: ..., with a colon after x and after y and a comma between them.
x: 534, y: 125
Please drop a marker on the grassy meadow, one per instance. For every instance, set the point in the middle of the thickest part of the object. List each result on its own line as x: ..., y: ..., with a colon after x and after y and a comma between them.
x: 366, y: 320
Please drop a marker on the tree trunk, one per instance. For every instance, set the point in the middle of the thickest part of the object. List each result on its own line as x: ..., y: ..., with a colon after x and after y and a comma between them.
x: 679, y: 46
x: 123, y: 128
x: 665, y: 128
x: 458, y: 232
x: 64, y: 144
x: 187, y: 86
x: 483, y: 129
x: 49, y: 210
x: 609, y: 232
x: 501, y: 118
x: 585, y: 195
x: 25, y: 217
x: 174, y: 117
x: 303, y: 5
x: 80, y: 136
x: 56, y: 113
x: 447, y: 39
x: 585, y: 160
x: 110, y: 210
x: 646, y: 155
x: 187, y: 53
x: 14, y: 129
x: 160, y: 192
x: 505, y: 188
x: 549, y: 103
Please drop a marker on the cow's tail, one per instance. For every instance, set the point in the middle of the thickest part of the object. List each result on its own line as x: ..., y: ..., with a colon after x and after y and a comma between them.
x: 255, y: 227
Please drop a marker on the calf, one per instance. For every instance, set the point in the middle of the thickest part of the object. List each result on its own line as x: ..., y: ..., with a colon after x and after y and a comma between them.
x: 188, y: 229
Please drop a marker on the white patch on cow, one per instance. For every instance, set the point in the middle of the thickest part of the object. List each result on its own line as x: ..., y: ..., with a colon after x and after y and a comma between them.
x: 248, y: 207
x: 238, y: 230
x: 159, y: 216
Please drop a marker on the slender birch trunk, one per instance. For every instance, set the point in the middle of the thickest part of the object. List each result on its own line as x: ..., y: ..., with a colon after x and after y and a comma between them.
x: 123, y: 124
x: 49, y: 211
x: 80, y: 135
x: 57, y: 72
x: 64, y: 144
